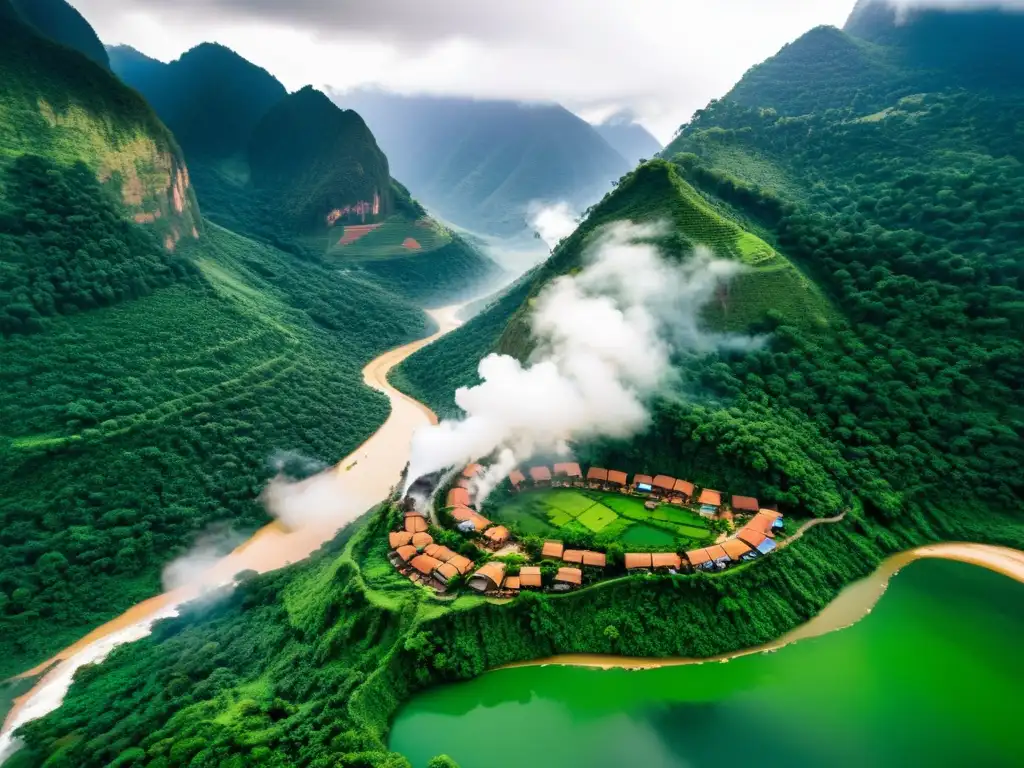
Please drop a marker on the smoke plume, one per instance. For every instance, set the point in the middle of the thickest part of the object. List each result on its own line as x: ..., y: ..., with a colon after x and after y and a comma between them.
x: 553, y: 223
x: 194, y: 568
x: 604, y: 339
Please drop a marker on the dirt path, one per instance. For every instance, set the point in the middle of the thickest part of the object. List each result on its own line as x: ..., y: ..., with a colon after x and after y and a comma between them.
x: 810, y: 524
x: 360, y: 480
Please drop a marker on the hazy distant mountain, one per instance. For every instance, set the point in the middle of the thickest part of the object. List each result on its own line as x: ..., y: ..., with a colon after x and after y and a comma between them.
x: 211, y: 98
x: 480, y: 164
x: 628, y: 137
x: 60, y: 22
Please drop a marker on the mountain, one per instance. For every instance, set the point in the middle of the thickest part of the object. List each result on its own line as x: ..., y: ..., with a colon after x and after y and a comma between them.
x: 211, y: 98
x: 481, y: 164
x: 628, y: 137
x: 59, y: 21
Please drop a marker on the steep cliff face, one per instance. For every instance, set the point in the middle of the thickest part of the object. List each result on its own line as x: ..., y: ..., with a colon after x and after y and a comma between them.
x: 61, y: 106
x: 320, y: 164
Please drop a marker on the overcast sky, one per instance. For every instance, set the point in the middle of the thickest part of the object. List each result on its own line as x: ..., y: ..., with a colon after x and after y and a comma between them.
x: 661, y: 58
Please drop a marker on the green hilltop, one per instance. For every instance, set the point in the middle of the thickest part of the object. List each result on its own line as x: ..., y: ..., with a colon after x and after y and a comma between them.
x: 59, y: 21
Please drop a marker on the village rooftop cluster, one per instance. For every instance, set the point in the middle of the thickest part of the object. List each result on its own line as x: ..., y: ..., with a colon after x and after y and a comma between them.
x: 416, y: 555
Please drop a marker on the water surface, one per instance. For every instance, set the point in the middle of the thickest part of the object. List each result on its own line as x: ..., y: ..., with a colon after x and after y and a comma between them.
x: 932, y: 676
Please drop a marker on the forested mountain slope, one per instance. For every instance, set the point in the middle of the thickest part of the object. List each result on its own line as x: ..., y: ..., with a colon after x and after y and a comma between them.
x: 59, y: 21
x: 147, y: 375
x: 480, y: 164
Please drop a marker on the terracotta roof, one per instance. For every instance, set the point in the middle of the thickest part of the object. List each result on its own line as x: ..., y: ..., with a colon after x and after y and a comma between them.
x: 745, y: 504
x: 516, y: 477
x: 493, y: 571
x: 462, y: 564
x: 568, y: 469
x: 498, y: 534
x: 431, y: 549
x: 462, y: 482
x: 595, y: 473
x: 447, y: 570
x: 664, y: 482
x: 569, y: 575
x: 641, y: 560
x: 666, y: 560
x: 597, y: 559
x: 698, y: 557
x: 406, y: 552
x: 422, y: 539
x: 642, y: 480
x: 512, y: 582
x: 472, y: 470
x: 552, y: 549
x: 716, y: 553
x: 425, y: 564
x: 614, y: 476
x: 751, y: 536
x: 415, y: 524
x: 710, y: 497
x: 458, y: 497
x: 573, y: 555
x: 774, y: 514
x: 441, y: 553
x: 529, y: 576
x: 735, y: 548
x: 399, y: 539
x: 762, y: 524
x: 539, y: 474
x: 684, y: 487
x: 462, y: 513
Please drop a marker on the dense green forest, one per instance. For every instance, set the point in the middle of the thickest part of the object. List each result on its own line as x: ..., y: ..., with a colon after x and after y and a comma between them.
x: 308, y: 666
x: 59, y: 21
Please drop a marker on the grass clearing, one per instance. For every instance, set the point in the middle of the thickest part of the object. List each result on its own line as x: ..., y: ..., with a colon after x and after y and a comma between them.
x: 597, y: 517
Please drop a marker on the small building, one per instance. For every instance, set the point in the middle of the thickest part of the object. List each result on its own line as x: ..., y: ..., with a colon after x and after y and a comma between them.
x: 488, y: 577
x: 497, y: 536
x: 441, y: 553
x: 398, y: 539
x: 778, y: 523
x: 682, y: 491
x: 425, y: 564
x: 595, y: 559
x: 709, y: 501
x: 407, y: 552
x: 461, y: 564
x: 458, y: 497
x: 552, y: 550
x: 663, y: 485
x: 511, y: 584
x: 751, y: 536
x: 700, y: 559
x: 737, y: 549
x: 471, y: 471
x: 516, y: 479
x: 475, y: 521
x: 568, y: 473
x: 572, y: 576
x: 416, y: 524
x: 597, y: 478
x: 669, y: 560
x: 762, y: 523
x: 638, y: 560
x: 616, y: 479
x: 573, y: 556
x: 745, y: 504
x: 541, y: 476
x: 445, y: 572
x: 529, y: 576
x: 421, y: 540
x: 718, y: 555
x: 766, y: 546
x: 643, y: 483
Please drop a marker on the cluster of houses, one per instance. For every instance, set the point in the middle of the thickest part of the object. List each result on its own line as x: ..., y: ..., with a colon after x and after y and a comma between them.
x: 415, y: 554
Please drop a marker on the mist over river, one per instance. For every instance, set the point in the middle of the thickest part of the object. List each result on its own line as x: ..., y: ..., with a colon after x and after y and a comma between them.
x: 931, y: 676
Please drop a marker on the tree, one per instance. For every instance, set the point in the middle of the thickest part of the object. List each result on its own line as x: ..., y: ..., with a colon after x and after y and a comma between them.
x: 442, y: 761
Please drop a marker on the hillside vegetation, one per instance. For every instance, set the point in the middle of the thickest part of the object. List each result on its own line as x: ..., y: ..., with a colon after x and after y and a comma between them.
x: 59, y: 21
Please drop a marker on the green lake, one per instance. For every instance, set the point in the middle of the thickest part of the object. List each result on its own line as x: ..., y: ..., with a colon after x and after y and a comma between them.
x: 932, y: 676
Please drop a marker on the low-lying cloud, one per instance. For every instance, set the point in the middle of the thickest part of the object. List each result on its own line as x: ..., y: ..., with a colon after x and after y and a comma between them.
x: 553, y: 222
x: 604, y: 340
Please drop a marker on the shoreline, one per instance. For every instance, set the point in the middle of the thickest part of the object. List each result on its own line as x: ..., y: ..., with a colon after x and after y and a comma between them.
x: 362, y: 478
x: 852, y: 604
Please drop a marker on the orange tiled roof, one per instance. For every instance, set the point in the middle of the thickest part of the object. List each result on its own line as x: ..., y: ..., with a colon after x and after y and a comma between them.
x: 569, y: 575
x: 494, y: 571
x: 415, y: 524
x: 511, y: 582
x: 614, y: 476
x: 598, y: 474
x: 540, y: 474
x: 462, y: 564
x: 406, y: 552
x: 472, y: 470
x: 447, y: 570
x: 745, y: 504
x: 552, y: 549
x: 573, y: 556
x: 638, y: 560
x: 422, y: 539
x: 710, y: 497
x: 568, y: 469
x: 425, y: 564
x: 684, y: 487
x: 716, y: 552
x: 458, y: 497
x: 666, y: 560
x: 497, y: 534
x: 698, y: 557
x: 752, y: 536
x: 529, y: 576
x: 398, y: 539
x: 735, y: 548
x: 664, y: 482
x: 516, y: 477
x: 642, y: 480
x: 596, y: 559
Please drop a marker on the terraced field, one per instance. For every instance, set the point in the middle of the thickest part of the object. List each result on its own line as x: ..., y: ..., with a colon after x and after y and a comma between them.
x: 607, y: 517
x: 391, y: 239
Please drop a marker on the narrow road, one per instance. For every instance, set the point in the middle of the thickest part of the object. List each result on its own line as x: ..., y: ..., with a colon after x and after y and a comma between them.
x: 810, y: 524
x: 357, y: 482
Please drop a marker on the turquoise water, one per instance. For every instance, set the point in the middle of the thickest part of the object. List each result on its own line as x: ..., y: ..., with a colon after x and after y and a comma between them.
x: 932, y: 677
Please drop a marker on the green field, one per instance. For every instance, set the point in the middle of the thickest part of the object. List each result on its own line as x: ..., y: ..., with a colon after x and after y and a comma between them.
x: 385, y: 242
x: 605, y: 518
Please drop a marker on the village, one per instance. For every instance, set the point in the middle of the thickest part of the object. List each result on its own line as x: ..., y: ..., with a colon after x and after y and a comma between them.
x: 413, y: 551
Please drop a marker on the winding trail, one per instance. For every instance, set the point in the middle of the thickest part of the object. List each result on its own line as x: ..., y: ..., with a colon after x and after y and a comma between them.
x: 852, y: 604
x: 357, y: 482
x: 810, y: 524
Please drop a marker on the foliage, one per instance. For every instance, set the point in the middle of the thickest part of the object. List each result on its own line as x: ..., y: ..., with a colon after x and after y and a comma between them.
x: 59, y: 21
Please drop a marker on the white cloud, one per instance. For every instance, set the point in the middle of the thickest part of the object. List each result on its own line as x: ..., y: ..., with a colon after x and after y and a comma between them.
x: 661, y: 58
